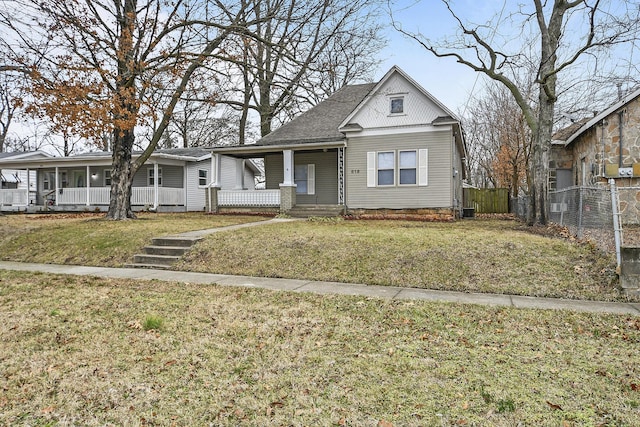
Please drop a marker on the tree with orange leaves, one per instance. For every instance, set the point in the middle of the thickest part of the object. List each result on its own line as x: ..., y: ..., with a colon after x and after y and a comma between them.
x: 99, y: 57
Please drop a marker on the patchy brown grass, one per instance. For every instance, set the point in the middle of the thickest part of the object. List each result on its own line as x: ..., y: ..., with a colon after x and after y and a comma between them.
x: 494, y: 256
x: 74, y: 351
x: 89, y: 239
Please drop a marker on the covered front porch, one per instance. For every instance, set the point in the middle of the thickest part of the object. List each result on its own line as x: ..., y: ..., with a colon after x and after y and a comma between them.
x: 75, y: 187
x: 299, y: 181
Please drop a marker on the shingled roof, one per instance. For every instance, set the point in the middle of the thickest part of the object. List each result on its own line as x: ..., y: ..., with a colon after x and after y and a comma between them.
x: 321, y: 123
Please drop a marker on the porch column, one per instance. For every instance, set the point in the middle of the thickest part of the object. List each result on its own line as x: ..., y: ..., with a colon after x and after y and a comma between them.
x: 239, y: 174
x: 56, y: 193
x: 28, y: 185
x: 288, y: 186
x: 216, y: 161
x: 88, y: 180
x: 155, y: 185
x: 214, y: 185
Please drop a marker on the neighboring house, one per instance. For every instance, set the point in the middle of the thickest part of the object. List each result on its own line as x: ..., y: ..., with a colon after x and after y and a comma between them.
x: 170, y: 180
x: 598, y: 148
x: 386, y: 147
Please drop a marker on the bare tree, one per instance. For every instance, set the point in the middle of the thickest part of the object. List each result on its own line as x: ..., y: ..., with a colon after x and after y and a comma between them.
x: 499, y: 140
x: 565, y: 31
x: 125, y: 44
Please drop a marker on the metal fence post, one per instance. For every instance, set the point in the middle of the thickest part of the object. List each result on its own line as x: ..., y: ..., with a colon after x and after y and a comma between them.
x: 616, y: 218
x: 580, y: 231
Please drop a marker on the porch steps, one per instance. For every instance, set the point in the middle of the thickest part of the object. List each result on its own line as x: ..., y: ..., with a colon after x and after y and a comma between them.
x: 163, y: 252
x: 307, y: 211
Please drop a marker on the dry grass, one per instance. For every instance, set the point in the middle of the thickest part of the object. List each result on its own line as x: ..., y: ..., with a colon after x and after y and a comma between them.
x: 89, y: 239
x: 73, y: 351
x: 476, y: 256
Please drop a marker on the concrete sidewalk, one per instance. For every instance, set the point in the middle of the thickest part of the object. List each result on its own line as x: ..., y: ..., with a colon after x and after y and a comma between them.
x: 293, y: 285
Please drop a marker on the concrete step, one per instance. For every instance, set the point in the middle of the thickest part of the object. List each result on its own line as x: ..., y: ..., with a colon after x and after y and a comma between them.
x: 166, y: 250
x: 185, y: 242
x: 166, y: 260
x: 151, y: 266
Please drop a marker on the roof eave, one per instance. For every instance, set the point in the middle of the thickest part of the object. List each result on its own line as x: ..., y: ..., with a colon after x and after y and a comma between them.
x: 263, y: 149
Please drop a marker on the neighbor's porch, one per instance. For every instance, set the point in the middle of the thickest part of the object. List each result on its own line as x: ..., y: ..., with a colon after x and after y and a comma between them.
x: 88, y: 188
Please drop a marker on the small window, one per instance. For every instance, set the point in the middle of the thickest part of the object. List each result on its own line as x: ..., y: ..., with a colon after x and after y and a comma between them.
x: 202, y: 177
x: 408, y: 167
x: 386, y: 168
x: 151, y: 178
x: 397, y: 105
x: 48, y: 180
x: 107, y: 177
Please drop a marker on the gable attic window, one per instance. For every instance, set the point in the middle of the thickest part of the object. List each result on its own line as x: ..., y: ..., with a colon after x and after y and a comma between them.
x: 397, y: 105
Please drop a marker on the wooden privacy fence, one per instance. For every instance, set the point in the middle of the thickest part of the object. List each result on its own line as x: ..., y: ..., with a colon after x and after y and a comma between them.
x: 487, y: 200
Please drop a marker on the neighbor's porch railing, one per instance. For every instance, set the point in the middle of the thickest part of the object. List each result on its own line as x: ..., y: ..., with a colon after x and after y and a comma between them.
x: 139, y: 196
x: 14, y: 197
x: 250, y: 198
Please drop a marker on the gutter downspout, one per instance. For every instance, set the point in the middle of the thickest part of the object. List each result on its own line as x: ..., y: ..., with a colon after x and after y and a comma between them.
x: 620, y: 116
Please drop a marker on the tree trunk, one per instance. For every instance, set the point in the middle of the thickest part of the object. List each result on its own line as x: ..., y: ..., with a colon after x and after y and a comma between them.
x: 121, y: 177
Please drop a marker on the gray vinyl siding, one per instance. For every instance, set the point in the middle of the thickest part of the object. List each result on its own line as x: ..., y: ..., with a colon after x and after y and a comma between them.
x: 172, y: 176
x: 438, y: 192
x: 326, y: 175
x: 195, y: 194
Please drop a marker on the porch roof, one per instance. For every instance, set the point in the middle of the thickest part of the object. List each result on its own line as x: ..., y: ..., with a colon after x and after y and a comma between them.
x: 97, y: 159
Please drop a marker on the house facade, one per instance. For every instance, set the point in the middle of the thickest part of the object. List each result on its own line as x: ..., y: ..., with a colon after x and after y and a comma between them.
x: 170, y: 180
x: 605, y: 146
x: 381, y: 148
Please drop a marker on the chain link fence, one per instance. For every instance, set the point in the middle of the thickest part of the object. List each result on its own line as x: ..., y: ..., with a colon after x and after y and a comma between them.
x: 587, y: 212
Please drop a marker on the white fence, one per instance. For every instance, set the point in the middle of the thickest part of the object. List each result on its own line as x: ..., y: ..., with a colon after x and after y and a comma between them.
x: 249, y: 198
x: 13, y: 197
x: 139, y: 196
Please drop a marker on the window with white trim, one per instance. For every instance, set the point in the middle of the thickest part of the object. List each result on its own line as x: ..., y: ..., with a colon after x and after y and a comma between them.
x: 202, y: 177
x: 386, y: 168
x: 107, y: 177
x: 151, y: 177
x: 408, y: 167
x: 48, y: 180
x: 304, y: 177
x: 396, y: 105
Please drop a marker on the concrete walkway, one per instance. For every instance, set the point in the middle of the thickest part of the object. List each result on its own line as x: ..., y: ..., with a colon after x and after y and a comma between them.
x: 399, y: 293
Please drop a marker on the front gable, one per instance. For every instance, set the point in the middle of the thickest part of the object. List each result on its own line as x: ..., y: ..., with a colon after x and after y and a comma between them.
x: 397, y: 101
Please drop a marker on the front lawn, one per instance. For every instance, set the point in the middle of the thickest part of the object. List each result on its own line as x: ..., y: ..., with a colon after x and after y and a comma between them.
x: 89, y: 351
x: 89, y: 239
x: 496, y: 256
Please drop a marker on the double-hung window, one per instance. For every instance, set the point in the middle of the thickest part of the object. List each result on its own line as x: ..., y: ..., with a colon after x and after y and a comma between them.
x: 386, y: 168
x: 202, y: 177
x: 151, y: 177
x: 107, y: 177
x: 408, y: 166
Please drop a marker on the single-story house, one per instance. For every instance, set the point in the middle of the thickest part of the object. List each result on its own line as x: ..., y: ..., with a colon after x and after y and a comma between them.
x: 170, y: 180
x: 387, y: 147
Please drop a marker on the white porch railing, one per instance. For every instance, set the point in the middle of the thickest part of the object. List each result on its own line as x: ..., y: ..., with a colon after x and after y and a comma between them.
x: 139, y: 196
x: 253, y: 198
x: 14, y: 197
